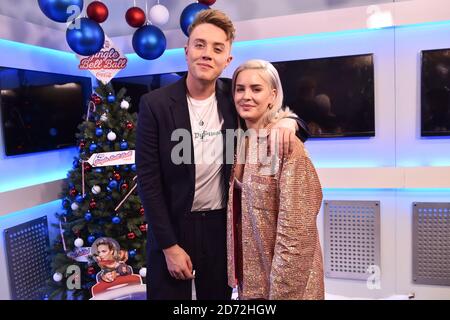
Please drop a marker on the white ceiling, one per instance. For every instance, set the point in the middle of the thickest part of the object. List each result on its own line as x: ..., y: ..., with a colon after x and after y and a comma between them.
x: 238, y: 10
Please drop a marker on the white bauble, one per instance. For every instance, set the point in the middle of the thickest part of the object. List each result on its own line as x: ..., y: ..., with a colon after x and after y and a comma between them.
x: 159, y: 15
x: 57, y: 277
x: 143, y: 272
x: 104, y: 117
x: 111, y: 136
x: 78, y: 242
x: 96, y: 189
x: 124, y: 104
x: 74, y: 206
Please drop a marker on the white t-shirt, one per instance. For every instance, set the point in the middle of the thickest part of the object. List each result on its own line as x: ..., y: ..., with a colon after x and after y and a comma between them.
x: 206, y: 124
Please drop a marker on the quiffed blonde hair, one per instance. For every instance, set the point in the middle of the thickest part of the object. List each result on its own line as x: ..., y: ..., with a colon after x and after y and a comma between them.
x: 271, y: 76
x: 217, y: 18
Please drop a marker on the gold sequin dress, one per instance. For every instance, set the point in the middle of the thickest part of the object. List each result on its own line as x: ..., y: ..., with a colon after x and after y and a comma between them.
x: 272, y: 237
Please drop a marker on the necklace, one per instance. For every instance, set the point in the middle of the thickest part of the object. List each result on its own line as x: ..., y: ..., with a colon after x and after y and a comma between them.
x: 200, y: 119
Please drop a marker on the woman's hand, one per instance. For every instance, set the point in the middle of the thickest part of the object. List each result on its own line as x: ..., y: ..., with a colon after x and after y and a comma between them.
x: 282, y: 136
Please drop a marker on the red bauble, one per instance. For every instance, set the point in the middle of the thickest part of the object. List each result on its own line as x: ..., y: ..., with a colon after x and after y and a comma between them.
x: 135, y: 17
x: 207, y: 2
x: 96, y: 99
x: 124, y: 186
x: 131, y: 235
x: 97, y: 11
x: 143, y: 227
x: 87, y: 166
x: 73, y: 192
x: 117, y: 176
x: 130, y: 125
x: 92, y: 204
x: 91, y: 270
x: 141, y: 211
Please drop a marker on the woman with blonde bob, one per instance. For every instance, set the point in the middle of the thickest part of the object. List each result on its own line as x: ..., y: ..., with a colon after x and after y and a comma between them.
x: 272, y: 237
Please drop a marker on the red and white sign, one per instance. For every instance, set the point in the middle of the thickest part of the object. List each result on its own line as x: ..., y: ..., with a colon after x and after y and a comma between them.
x: 115, y: 158
x: 106, y: 63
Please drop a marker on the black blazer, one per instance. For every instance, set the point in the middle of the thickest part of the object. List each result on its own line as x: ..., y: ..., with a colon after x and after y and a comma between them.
x: 167, y: 189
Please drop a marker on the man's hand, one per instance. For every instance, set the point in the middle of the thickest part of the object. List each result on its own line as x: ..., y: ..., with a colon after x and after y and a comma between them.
x: 283, y: 133
x: 178, y: 263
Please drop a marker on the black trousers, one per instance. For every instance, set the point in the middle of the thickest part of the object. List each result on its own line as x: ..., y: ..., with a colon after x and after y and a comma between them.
x: 203, y: 237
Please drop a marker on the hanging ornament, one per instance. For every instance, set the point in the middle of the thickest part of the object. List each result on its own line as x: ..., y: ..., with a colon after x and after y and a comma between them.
x: 74, y: 206
x: 60, y: 10
x: 99, y: 132
x: 82, y: 144
x: 92, y: 204
x: 97, y: 11
x: 78, y: 242
x: 124, y: 104
x: 96, y: 100
x: 85, y: 37
x: 149, y: 42
x: 188, y: 15
x: 132, y: 253
x: 111, y: 136
x: 133, y: 167
x: 143, y: 272
x: 116, y: 176
x: 135, y: 17
x: 111, y: 98
x: 124, y: 186
x: 112, y: 184
x: 73, y: 192
x: 92, y: 147
x: 141, y: 211
x: 159, y: 15
x: 104, y: 117
x: 57, y: 276
x: 79, y: 198
x: 87, y: 166
x: 143, y: 227
x: 116, y: 220
x: 129, y: 125
x: 131, y: 235
x: 96, y: 189
x: 91, y: 238
x: 88, y: 216
x: 124, y: 145
x: 207, y: 2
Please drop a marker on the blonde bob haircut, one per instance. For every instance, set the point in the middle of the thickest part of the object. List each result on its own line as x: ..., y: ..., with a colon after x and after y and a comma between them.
x: 270, y: 75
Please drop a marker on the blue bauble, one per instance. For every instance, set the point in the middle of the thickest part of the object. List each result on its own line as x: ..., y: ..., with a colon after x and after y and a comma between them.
x: 79, y: 198
x: 86, y: 40
x: 88, y: 216
x: 91, y: 239
x: 99, y: 132
x: 98, y: 170
x: 132, y: 253
x: 75, y: 164
x: 92, y: 147
x: 65, y: 203
x: 133, y: 167
x: 116, y: 220
x: 56, y: 10
x: 149, y: 42
x: 124, y: 145
x: 112, y: 184
x: 111, y: 98
x: 188, y: 15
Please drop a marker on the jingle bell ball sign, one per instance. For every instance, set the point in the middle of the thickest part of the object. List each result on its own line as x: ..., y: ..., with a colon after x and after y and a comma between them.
x: 106, y: 63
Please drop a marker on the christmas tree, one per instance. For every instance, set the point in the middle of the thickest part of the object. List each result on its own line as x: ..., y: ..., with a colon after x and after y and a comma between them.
x: 98, y: 201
